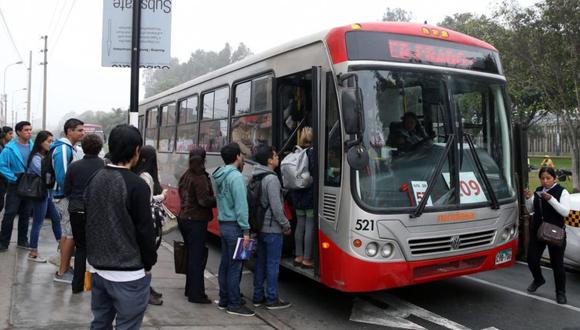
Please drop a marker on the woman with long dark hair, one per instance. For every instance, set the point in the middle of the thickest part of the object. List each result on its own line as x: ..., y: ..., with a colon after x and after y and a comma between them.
x: 146, y: 168
x: 550, y: 203
x: 40, y: 209
x: 197, y: 200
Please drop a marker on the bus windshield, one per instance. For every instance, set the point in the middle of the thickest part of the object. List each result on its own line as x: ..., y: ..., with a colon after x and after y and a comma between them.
x: 410, y: 116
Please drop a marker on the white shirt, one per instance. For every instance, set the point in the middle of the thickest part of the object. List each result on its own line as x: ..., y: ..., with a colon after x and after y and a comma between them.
x: 562, y: 207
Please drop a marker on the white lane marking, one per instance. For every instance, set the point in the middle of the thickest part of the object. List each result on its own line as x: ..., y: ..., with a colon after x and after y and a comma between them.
x: 206, y: 273
x: 365, y: 312
x: 396, y: 313
x: 521, y: 293
x: 490, y: 328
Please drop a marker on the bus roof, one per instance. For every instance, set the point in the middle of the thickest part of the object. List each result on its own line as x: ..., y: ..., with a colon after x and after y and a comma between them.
x: 337, y: 42
x: 335, y: 38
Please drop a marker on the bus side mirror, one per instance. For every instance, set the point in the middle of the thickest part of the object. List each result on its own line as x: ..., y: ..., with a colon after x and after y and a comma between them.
x: 352, y: 111
x: 351, y: 103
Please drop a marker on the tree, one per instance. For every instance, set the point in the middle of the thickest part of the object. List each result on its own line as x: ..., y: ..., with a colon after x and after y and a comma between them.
x: 539, y: 46
x: 200, y: 62
x: 397, y: 15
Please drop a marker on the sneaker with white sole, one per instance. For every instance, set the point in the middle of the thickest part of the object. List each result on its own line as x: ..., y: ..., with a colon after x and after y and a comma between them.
x: 67, y: 277
x: 280, y: 304
x: 240, y: 311
x: 36, y: 258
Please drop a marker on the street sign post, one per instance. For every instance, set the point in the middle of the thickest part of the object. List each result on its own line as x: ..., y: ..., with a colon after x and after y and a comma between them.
x: 155, y: 33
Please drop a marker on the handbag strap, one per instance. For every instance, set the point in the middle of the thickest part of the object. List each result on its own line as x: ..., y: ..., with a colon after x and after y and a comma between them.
x: 540, y: 206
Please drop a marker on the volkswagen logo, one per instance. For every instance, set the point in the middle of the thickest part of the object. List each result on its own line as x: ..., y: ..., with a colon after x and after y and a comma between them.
x: 455, y: 242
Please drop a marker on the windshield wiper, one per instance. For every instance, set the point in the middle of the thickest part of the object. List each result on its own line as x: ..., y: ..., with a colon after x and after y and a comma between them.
x: 421, y: 207
x: 479, y: 166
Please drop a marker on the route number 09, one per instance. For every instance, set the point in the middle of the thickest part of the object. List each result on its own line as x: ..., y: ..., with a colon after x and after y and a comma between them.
x: 470, y: 187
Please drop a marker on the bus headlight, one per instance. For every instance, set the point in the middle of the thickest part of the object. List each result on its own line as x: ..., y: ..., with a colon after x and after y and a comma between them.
x: 372, y: 249
x: 387, y: 250
x: 505, y: 234
x: 513, y: 231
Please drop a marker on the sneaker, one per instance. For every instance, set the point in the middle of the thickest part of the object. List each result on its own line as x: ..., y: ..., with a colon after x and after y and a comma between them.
x: 36, y: 258
x: 202, y: 300
x: 535, y: 285
x: 67, y: 277
x: 561, y: 298
x: 55, y: 260
x: 153, y: 300
x: 24, y: 246
x: 156, y: 294
x: 241, y: 311
x: 258, y: 303
x: 280, y: 304
x: 224, y: 306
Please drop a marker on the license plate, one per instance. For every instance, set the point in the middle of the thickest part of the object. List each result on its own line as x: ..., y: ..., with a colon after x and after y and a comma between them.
x: 503, y: 256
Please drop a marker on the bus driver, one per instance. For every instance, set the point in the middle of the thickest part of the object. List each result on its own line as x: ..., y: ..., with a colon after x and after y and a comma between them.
x: 406, y: 134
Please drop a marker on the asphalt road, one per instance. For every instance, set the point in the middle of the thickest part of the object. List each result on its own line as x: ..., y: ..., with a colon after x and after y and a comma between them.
x: 491, y: 300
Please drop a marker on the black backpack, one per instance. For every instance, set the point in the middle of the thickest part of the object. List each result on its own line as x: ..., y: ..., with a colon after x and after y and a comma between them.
x: 47, y: 169
x: 256, y: 211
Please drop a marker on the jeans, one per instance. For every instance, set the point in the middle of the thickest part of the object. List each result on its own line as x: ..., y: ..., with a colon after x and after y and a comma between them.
x: 15, y: 205
x: 195, y: 236
x: 267, y: 267
x: 78, y: 223
x: 230, y: 270
x: 3, y: 185
x: 304, y: 234
x: 536, y: 249
x: 40, y: 210
x: 125, y: 300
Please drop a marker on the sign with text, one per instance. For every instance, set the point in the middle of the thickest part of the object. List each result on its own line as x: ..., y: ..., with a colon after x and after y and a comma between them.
x: 419, y: 189
x: 155, y: 33
x: 469, y: 188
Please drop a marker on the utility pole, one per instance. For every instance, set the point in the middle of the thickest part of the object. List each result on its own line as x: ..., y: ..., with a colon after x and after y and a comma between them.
x: 135, y: 48
x: 45, y: 63
x: 29, y: 86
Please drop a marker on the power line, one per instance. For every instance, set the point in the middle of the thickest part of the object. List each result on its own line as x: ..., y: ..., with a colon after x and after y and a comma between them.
x: 62, y: 27
x: 10, y: 35
x: 52, y: 17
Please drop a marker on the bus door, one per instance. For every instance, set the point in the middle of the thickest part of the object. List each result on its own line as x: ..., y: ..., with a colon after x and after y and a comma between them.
x: 298, y: 103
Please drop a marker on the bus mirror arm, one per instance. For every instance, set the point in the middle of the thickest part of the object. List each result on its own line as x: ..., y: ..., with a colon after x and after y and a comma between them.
x: 421, y: 207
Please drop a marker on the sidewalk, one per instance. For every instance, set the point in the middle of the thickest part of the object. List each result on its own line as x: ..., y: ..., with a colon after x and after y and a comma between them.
x: 32, y: 300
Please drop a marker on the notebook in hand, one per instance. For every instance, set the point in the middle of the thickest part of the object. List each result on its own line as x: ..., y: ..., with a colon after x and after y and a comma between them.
x: 242, y: 253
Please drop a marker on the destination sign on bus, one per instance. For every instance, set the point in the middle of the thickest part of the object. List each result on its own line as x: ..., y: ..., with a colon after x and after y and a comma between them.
x: 380, y: 46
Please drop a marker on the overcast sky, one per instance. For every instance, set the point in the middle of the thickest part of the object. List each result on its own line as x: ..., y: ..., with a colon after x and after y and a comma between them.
x: 77, y: 82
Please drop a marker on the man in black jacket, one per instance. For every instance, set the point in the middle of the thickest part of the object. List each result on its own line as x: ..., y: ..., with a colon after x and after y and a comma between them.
x: 120, y: 236
x: 75, y: 182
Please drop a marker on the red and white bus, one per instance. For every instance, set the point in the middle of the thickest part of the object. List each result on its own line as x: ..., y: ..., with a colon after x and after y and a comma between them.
x: 95, y: 129
x: 387, y: 214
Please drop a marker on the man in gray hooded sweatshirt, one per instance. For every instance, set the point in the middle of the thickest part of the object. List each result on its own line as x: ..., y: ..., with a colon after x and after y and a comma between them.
x: 270, y: 238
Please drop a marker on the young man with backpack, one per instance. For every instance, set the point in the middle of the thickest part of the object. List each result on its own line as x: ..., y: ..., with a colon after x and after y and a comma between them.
x: 274, y: 224
x: 61, y: 154
x: 13, y: 161
x: 233, y: 221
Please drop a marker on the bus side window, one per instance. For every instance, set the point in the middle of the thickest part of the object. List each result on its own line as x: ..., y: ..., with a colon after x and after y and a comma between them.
x: 151, y: 128
x: 333, y: 140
